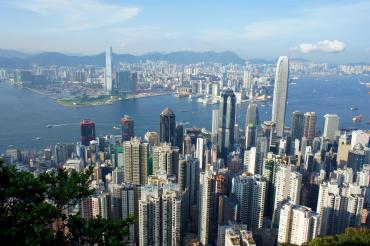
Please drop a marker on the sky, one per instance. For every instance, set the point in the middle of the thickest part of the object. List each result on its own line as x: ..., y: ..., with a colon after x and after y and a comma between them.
x: 320, y: 30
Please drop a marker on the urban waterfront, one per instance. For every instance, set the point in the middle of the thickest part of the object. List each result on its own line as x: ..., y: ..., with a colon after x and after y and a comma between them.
x: 25, y: 114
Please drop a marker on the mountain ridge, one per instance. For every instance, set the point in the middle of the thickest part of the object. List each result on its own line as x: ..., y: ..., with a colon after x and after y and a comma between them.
x: 56, y: 58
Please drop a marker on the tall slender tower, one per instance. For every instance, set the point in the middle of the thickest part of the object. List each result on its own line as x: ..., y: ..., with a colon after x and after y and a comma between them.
x: 207, y: 213
x: 226, y: 122
x: 108, y: 70
x: 167, y: 132
x: 280, y: 94
x: 297, y: 125
x: 309, y: 129
x: 251, y: 126
x: 214, y: 121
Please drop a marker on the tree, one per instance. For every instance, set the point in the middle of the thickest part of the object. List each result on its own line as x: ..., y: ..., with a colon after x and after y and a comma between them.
x: 32, y: 210
x: 352, y: 236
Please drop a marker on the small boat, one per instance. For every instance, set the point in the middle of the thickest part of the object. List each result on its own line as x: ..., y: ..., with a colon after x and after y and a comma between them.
x: 116, y: 128
x: 37, y: 138
x: 357, y: 118
x: 49, y: 126
x: 353, y: 108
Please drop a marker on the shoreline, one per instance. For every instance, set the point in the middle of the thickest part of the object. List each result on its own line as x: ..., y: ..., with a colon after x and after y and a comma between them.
x: 116, y: 100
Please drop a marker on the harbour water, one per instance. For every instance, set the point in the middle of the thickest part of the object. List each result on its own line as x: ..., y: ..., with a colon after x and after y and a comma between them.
x: 24, y: 115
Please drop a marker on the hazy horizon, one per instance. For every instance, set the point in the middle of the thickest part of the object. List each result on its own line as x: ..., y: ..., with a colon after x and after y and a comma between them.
x: 330, y: 31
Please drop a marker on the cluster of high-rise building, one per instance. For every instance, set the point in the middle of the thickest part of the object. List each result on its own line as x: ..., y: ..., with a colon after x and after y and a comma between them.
x: 265, y: 184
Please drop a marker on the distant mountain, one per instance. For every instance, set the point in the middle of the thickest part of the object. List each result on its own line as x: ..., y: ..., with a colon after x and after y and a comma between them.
x: 13, y: 59
x: 12, y: 54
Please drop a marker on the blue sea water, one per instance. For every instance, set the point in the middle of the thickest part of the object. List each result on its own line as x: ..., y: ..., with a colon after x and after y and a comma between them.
x: 24, y: 114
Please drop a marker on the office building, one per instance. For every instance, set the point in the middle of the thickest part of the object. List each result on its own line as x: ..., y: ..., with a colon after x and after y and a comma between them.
x: 360, y: 137
x: 167, y: 127
x: 214, y: 121
x: 280, y: 94
x: 251, y: 125
x: 297, y: 125
x: 226, y: 123
x: 127, y: 128
x: 309, y: 127
x: 331, y: 126
x: 87, y: 132
x: 108, y: 70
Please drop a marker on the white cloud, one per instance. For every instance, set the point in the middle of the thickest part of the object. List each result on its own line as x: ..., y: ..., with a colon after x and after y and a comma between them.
x: 330, y: 46
x: 75, y: 15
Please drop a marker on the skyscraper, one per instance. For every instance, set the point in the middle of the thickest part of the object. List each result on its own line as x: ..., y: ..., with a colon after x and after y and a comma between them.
x: 251, y: 125
x: 331, y: 126
x: 247, y: 79
x: 297, y: 123
x: 167, y: 132
x: 135, y: 155
x: 199, y: 154
x: 108, y: 70
x: 214, y: 121
x: 226, y: 122
x: 127, y: 127
x: 87, y: 132
x: 309, y: 128
x: 179, y: 136
x: 280, y: 94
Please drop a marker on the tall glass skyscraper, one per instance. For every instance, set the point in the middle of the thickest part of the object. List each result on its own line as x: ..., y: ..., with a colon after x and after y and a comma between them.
x: 280, y: 94
x: 297, y: 125
x: 226, y: 122
x: 251, y: 125
x: 167, y: 129
x: 87, y: 132
x: 108, y: 70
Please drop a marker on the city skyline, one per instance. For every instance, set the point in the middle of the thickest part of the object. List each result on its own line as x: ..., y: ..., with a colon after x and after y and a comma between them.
x: 248, y: 126
x: 313, y: 30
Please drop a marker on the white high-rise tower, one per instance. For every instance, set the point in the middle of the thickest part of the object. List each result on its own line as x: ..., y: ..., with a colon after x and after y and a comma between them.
x: 280, y: 94
x: 331, y: 126
x: 108, y: 70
